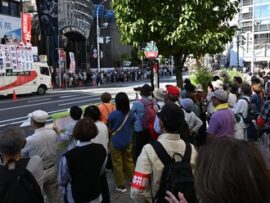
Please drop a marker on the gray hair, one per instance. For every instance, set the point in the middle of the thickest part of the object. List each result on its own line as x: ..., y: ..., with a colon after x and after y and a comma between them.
x: 12, y: 140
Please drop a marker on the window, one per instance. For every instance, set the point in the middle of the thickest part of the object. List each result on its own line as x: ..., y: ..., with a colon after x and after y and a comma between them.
x: 44, y: 71
x: 5, y: 7
x: 14, y: 9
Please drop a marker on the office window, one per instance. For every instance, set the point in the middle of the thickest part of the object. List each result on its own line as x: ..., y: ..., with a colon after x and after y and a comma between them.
x: 5, y: 7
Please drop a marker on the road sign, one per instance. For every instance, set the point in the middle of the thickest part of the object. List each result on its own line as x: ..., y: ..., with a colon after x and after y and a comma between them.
x: 151, y: 50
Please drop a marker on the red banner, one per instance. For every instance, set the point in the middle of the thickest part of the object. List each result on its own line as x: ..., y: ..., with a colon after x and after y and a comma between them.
x: 26, y: 27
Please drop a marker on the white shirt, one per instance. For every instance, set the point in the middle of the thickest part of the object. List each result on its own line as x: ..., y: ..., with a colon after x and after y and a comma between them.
x: 102, y: 136
x: 42, y: 143
x: 194, y: 123
x: 241, y: 107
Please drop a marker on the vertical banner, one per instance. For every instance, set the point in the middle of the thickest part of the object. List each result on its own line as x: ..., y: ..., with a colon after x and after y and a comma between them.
x: 26, y: 27
x: 13, y: 58
x: 2, y: 68
x: 6, y: 55
x: 72, y: 65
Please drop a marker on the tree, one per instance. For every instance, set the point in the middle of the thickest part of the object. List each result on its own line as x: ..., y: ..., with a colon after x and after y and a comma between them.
x: 179, y: 27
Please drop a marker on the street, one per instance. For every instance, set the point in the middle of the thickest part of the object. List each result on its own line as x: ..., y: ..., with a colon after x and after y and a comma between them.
x: 13, y: 113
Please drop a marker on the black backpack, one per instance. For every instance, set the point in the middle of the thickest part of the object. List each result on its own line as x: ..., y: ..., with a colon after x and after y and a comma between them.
x: 252, y: 133
x: 18, y: 185
x: 176, y: 176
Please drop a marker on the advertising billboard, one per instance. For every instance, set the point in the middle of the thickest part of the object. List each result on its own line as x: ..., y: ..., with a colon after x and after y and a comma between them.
x: 10, y: 26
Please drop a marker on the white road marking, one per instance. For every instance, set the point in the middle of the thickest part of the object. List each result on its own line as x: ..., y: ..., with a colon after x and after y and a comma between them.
x: 37, y: 100
x: 67, y: 96
x: 14, y: 123
x: 51, y: 102
x: 77, y: 102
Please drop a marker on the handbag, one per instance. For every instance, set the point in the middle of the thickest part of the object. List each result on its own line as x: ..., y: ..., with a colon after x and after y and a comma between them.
x: 113, y: 132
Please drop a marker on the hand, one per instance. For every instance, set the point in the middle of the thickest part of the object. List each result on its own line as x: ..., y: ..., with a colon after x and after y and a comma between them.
x: 172, y: 199
x: 56, y: 129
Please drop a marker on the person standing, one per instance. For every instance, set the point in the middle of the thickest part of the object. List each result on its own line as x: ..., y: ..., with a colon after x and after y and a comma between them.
x: 142, y: 136
x: 106, y: 107
x: 222, y: 121
x: 43, y: 143
x: 82, y: 166
x: 92, y: 112
x: 120, y: 124
x: 149, y: 168
x: 75, y: 113
x: 241, y: 110
x: 11, y: 143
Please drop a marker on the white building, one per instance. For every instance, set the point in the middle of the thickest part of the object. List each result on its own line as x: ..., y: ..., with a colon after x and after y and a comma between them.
x: 254, y: 35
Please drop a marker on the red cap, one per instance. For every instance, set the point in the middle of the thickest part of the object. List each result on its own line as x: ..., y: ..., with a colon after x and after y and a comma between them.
x: 173, y: 90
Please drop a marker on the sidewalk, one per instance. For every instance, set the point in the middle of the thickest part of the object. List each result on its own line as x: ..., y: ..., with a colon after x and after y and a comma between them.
x: 117, y: 197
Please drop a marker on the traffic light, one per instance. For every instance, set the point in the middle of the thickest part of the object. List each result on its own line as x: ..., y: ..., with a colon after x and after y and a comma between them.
x: 107, y: 39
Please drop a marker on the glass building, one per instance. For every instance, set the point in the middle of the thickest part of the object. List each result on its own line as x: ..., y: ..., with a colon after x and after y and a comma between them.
x: 254, y: 22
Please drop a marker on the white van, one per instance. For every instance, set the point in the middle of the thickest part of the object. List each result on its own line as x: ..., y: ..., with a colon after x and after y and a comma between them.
x: 37, y: 80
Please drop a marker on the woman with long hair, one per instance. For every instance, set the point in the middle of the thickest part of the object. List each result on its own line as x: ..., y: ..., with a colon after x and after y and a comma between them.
x: 120, y: 124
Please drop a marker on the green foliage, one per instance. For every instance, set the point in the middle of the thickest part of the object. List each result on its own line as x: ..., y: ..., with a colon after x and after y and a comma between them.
x: 178, y: 27
x: 203, y: 77
x: 233, y: 73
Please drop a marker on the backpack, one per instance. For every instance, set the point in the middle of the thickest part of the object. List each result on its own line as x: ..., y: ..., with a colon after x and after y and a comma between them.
x: 176, y: 176
x: 149, y: 114
x: 252, y: 133
x: 18, y: 185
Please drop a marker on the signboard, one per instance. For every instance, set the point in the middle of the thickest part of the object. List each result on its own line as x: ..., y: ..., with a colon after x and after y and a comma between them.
x: 10, y: 26
x: 72, y: 65
x: 26, y: 27
x: 151, y: 50
x: 16, y: 58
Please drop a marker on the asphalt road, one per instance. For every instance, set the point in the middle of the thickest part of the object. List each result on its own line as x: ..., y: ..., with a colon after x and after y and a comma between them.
x: 13, y: 113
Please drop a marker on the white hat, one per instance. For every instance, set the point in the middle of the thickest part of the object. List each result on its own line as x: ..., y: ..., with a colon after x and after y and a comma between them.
x: 159, y: 94
x: 218, y: 84
x: 39, y: 116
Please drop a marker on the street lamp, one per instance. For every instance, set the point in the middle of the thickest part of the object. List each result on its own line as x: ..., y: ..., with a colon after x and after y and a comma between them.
x: 98, y: 35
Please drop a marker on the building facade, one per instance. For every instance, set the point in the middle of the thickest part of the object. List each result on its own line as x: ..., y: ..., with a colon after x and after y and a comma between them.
x: 254, y: 38
x: 10, y: 21
x: 70, y: 26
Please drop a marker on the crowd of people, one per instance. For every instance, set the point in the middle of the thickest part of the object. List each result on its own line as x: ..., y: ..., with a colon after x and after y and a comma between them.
x: 93, y: 78
x: 171, y: 145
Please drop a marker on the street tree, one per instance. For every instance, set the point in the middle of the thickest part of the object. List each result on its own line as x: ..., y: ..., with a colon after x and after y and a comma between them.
x: 179, y: 27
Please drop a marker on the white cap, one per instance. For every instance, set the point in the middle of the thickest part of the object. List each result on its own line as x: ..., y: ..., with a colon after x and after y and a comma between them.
x: 218, y: 84
x: 38, y: 116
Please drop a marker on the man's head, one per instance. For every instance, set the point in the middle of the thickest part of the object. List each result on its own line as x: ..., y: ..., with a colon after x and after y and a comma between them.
x: 187, y: 104
x: 145, y: 90
x: 92, y: 112
x: 171, y: 117
x: 246, y: 89
x: 75, y: 113
x: 106, y: 97
x: 38, y: 118
x: 237, y: 80
x: 12, y: 141
x: 173, y: 93
x: 219, y: 97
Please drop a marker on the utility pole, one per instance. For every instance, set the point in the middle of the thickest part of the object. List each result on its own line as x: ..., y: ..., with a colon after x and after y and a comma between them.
x: 98, y: 35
